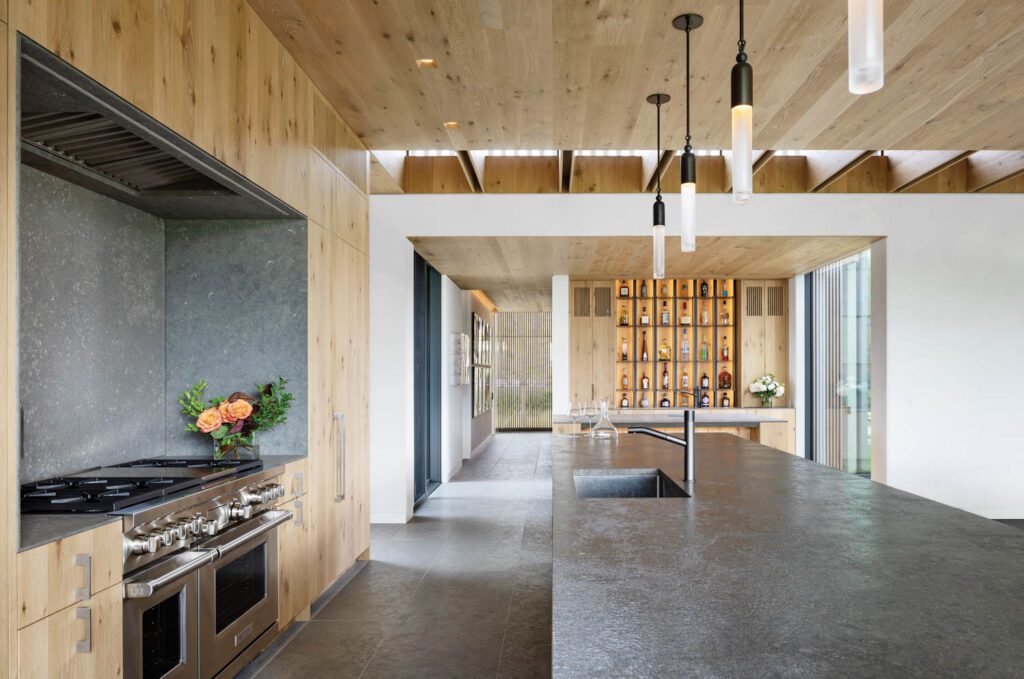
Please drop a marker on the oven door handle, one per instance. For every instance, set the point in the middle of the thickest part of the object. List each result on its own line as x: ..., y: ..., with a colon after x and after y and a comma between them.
x: 143, y: 589
x: 265, y: 522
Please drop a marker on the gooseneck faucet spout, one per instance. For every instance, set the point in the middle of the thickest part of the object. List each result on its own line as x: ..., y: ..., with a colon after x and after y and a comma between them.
x: 686, y: 442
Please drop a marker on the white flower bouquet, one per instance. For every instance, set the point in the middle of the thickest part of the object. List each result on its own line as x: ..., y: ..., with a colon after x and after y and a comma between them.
x: 766, y: 387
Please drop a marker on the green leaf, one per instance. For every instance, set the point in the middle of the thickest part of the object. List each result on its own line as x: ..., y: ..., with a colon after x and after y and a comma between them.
x: 220, y: 433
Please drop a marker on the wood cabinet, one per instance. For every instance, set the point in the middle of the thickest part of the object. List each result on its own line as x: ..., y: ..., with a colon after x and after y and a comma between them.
x: 591, y: 341
x: 764, y: 318
x: 56, y: 575
x: 82, y: 641
x: 295, y: 479
x: 293, y: 564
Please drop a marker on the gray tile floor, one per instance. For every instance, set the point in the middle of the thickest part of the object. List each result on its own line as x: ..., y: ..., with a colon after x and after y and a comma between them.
x: 463, y: 590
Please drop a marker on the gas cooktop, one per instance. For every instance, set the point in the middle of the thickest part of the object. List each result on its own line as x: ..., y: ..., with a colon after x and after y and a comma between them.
x: 109, y: 489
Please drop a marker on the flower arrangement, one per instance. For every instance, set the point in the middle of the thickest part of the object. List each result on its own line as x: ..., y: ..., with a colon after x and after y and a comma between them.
x: 232, y: 422
x: 766, y: 387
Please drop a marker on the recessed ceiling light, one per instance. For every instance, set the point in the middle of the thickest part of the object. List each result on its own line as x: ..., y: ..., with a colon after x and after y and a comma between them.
x: 451, y: 125
x: 426, y: 63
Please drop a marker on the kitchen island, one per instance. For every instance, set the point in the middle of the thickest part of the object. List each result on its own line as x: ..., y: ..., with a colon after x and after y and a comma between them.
x: 774, y: 566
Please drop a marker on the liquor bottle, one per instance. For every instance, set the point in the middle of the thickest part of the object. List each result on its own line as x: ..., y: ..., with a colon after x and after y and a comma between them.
x: 684, y: 352
x: 684, y: 381
x: 624, y: 316
x: 625, y: 380
x: 725, y: 315
x: 704, y: 318
x: 643, y: 289
x: 703, y: 288
x: 666, y: 317
x: 725, y: 379
x: 645, y: 402
x: 624, y: 403
x: 625, y: 349
x: 643, y: 348
x: 645, y: 382
x: 665, y: 379
x: 684, y: 316
x: 704, y: 351
x: 644, y: 318
x: 705, y: 400
x: 725, y: 401
x: 725, y: 349
x: 664, y: 290
x: 665, y: 403
x: 705, y: 382
x: 686, y: 290
x: 664, y: 351
x: 725, y: 290
x: 624, y: 289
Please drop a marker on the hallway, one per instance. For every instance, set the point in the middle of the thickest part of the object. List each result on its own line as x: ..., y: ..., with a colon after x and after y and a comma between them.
x: 462, y: 590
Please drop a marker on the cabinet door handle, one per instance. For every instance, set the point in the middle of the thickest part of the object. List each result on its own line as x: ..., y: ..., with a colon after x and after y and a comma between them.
x: 298, y: 484
x: 298, y: 514
x: 85, y: 561
x: 84, y: 613
x: 339, y: 420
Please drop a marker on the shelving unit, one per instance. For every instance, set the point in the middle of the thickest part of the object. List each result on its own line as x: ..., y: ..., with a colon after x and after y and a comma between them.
x: 688, y: 328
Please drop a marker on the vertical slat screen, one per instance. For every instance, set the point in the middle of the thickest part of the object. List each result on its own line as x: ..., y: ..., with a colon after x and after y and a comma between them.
x: 522, y: 362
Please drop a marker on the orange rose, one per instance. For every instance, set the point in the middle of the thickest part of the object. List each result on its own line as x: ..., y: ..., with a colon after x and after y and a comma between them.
x: 240, y: 409
x: 209, y: 420
x: 225, y: 412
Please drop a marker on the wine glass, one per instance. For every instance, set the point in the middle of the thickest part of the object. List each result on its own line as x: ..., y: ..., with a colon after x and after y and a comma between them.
x: 574, y: 417
x: 592, y: 411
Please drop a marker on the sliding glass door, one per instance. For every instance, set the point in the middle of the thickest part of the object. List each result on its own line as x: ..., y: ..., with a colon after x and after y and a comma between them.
x: 839, y: 364
x: 522, y: 371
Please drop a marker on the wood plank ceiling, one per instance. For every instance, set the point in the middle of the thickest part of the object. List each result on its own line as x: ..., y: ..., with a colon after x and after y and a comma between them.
x: 516, y: 271
x: 567, y: 74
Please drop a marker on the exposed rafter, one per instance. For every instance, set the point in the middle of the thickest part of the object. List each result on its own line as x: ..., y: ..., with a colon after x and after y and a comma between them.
x: 907, y: 168
x: 986, y: 168
x: 659, y: 169
x: 470, y: 171
x: 824, y: 168
x: 567, y: 167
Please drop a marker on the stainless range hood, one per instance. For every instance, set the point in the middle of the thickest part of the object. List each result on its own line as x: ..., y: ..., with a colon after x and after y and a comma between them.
x: 72, y: 127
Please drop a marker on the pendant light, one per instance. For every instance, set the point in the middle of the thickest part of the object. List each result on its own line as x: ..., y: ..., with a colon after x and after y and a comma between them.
x: 742, y: 123
x: 659, y: 206
x: 865, y: 46
x: 688, y: 161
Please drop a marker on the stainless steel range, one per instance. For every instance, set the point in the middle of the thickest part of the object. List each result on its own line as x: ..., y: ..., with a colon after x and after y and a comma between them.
x: 199, y: 557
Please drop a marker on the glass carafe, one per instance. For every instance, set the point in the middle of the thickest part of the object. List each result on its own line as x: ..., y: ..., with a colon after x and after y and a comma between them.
x: 603, y: 428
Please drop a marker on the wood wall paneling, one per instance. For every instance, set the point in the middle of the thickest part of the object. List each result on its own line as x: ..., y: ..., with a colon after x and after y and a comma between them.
x: 521, y: 174
x: 869, y: 176
x: 434, y: 174
x: 1011, y: 185
x: 952, y: 179
x: 581, y: 341
x: 293, y: 563
x: 782, y: 174
x: 608, y: 174
x: 603, y: 340
x: 9, y: 512
x: 764, y: 331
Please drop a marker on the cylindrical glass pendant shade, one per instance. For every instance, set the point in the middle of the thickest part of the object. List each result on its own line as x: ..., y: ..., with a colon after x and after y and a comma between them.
x: 659, y: 252
x: 688, y: 243
x: 865, y: 43
x: 742, y: 153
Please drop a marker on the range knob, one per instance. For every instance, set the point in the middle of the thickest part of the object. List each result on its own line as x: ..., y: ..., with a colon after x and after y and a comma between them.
x: 167, y: 536
x: 278, y: 490
x: 238, y: 511
x: 144, y: 544
x: 205, y: 526
x: 182, y: 529
x: 195, y: 524
x: 250, y: 495
x: 267, y: 494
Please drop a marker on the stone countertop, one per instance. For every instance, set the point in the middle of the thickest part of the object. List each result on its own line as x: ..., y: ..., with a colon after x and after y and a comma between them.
x: 703, y: 417
x: 40, y: 529
x: 776, y: 566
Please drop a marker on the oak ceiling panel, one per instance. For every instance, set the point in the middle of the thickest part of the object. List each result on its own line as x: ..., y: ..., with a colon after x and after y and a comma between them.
x: 573, y: 75
x: 516, y: 272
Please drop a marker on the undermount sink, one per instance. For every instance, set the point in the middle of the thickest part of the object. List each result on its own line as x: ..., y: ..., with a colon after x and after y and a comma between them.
x: 625, y: 483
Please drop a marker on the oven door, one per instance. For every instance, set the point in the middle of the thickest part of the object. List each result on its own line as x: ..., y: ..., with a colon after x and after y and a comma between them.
x: 238, y: 591
x: 161, y: 619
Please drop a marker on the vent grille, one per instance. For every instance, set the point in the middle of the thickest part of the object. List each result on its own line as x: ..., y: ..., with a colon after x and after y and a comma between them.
x: 581, y: 302
x: 775, y: 298
x: 754, y: 300
x: 602, y: 302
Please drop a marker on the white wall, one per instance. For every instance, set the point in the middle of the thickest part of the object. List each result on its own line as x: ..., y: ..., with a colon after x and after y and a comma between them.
x: 456, y: 401
x: 954, y: 269
x: 559, y: 344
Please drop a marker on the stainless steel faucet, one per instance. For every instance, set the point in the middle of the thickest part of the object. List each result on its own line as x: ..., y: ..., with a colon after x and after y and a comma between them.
x: 686, y: 442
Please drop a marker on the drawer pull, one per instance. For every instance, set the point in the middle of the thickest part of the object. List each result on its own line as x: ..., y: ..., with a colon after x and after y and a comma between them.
x: 339, y: 419
x: 85, y: 561
x: 84, y: 613
x: 298, y: 484
x: 298, y: 514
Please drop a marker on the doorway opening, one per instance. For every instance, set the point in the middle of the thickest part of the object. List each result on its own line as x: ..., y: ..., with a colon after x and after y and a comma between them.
x: 427, y: 379
x: 522, y: 379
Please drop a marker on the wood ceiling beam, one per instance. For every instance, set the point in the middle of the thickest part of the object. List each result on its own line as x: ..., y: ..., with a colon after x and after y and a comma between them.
x: 987, y: 168
x: 388, y: 167
x: 907, y: 168
x: 479, y: 160
x: 659, y: 170
x: 470, y: 171
x: 825, y: 168
x: 567, y: 167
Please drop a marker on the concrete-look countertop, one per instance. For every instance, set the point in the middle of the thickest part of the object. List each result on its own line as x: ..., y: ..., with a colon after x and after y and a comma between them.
x: 36, y: 530
x: 703, y: 417
x: 776, y: 566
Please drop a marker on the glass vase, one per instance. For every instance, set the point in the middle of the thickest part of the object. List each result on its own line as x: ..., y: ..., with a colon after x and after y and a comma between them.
x: 603, y: 429
x: 244, y: 447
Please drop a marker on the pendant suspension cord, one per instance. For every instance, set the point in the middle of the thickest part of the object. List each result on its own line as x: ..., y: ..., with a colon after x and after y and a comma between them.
x: 688, y: 148
x: 742, y: 44
x: 657, y: 108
